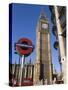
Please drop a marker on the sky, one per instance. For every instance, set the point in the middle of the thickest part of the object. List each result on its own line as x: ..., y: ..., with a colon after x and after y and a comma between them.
x: 24, y: 22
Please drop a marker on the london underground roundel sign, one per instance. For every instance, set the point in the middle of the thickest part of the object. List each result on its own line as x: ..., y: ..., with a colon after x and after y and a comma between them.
x: 24, y: 46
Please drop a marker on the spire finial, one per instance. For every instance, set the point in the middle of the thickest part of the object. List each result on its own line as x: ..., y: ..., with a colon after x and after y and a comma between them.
x: 42, y: 14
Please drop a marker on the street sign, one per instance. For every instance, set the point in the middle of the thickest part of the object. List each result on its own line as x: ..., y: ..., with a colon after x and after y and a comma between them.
x: 24, y: 47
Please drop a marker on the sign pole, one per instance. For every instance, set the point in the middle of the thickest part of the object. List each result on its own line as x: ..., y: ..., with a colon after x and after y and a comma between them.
x: 21, y: 69
x: 24, y: 48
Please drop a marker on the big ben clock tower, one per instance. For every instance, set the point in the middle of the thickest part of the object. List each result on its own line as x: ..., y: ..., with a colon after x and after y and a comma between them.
x: 42, y: 68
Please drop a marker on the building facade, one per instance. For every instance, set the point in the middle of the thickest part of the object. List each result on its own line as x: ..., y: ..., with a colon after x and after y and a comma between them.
x: 42, y: 67
x: 27, y: 72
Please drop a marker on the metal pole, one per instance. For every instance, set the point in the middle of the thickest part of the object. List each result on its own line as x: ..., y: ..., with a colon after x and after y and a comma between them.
x: 21, y: 69
x: 61, y: 43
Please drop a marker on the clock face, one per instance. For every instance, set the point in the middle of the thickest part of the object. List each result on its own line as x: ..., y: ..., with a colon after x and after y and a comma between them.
x: 44, y: 26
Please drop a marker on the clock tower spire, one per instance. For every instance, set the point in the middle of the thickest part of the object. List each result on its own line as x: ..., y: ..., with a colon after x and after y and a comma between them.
x: 42, y: 69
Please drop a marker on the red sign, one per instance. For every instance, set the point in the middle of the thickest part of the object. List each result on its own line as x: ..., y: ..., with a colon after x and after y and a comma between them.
x: 24, y: 46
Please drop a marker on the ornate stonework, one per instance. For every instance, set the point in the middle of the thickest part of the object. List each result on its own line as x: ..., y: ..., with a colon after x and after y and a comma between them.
x: 42, y: 68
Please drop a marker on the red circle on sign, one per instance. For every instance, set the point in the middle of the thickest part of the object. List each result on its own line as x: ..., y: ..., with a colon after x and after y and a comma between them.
x: 24, y: 51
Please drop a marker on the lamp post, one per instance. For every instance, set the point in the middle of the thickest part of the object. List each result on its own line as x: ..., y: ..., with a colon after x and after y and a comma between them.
x: 61, y: 44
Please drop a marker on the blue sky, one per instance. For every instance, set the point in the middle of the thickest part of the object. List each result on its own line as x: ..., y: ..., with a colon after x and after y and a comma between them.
x: 24, y: 22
